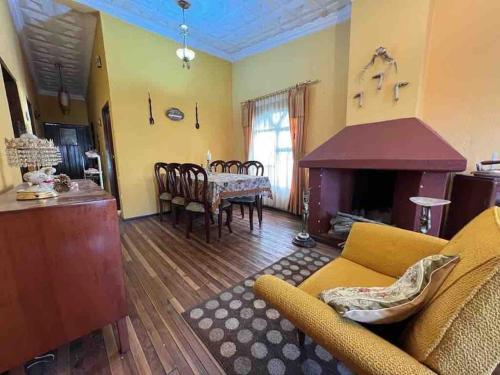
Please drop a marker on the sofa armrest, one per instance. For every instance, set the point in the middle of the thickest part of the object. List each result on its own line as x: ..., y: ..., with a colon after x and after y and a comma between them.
x: 361, y: 350
x: 387, y: 249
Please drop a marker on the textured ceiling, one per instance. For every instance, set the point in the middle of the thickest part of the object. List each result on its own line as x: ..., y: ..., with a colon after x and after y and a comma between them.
x: 51, y: 33
x: 230, y: 29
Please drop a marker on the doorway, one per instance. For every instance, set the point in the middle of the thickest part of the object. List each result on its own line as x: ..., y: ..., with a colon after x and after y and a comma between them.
x: 109, y: 153
x: 73, y: 141
x: 15, y: 109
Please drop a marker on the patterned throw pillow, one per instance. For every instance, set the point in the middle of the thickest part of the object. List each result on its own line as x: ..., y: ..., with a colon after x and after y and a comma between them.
x: 383, y: 305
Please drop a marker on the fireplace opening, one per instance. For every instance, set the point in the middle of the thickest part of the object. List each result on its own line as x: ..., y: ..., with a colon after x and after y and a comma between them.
x: 373, y: 194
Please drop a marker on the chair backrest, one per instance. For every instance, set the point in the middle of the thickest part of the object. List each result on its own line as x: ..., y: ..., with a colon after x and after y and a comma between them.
x: 252, y: 167
x: 161, y: 176
x: 233, y: 166
x: 173, y: 180
x: 457, y: 332
x: 221, y: 164
x: 194, y: 182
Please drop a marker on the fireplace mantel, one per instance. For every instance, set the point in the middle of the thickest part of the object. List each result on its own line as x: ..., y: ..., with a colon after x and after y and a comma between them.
x: 402, y: 144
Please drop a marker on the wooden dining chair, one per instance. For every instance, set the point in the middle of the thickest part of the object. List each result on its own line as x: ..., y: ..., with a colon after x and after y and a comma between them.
x: 175, y: 189
x: 233, y: 166
x: 221, y: 164
x: 164, y: 196
x: 255, y: 168
x: 194, y: 181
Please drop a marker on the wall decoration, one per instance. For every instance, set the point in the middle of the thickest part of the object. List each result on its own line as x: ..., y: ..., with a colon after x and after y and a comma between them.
x: 380, y: 77
x: 197, y: 125
x: 360, y: 96
x: 151, y: 118
x: 175, y: 114
x: 397, y: 86
x: 383, y: 54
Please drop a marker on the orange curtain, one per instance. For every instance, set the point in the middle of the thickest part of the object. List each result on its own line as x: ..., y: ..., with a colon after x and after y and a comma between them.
x: 247, y: 114
x: 297, y: 104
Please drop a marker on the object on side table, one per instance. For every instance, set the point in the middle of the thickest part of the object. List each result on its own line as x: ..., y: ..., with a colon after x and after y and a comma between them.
x: 31, y: 152
x: 425, y: 205
x: 62, y: 183
x: 303, y: 239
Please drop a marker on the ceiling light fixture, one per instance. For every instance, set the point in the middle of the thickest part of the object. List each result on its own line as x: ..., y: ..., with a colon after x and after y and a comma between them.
x: 63, y: 94
x: 185, y: 54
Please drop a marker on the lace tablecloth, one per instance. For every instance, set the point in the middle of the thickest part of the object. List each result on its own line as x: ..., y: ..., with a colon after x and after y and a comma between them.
x: 230, y: 185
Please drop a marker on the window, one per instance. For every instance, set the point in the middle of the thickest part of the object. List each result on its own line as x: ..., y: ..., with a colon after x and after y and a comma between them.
x: 272, y: 146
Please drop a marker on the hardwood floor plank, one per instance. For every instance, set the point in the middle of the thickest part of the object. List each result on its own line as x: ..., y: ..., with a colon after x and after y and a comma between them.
x: 165, y: 275
x: 136, y: 349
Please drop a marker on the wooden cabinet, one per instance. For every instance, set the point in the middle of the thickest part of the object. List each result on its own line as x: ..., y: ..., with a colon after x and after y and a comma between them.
x: 61, y: 271
x: 470, y: 195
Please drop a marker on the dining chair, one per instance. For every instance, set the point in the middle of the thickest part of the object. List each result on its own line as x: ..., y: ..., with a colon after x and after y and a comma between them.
x: 175, y: 188
x: 216, y: 164
x: 163, y: 195
x: 194, y: 180
x: 255, y: 168
x: 233, y: 166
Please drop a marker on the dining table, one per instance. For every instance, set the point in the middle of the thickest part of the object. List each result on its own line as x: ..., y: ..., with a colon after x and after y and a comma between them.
x: 231, y: 185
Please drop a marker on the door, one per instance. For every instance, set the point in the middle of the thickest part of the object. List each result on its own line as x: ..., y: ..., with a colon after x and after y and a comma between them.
x: 15, y: 109
x: 73, y: 141
x: 109, y: 154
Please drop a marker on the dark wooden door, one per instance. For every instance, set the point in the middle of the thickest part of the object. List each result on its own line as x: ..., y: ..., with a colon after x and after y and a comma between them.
x: 73, y: 141
x: 109, y: 151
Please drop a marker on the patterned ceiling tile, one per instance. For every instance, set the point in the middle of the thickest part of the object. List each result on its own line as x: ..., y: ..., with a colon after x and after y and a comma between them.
x: 230, y: 29
x: 54, y: 33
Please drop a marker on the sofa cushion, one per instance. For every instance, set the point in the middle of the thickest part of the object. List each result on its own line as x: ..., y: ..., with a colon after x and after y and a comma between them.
x: 343, y: 272
x: 407, y: 295
x: 430, y: 331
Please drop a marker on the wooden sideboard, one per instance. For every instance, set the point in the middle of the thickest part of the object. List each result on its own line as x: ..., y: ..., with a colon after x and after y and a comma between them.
x: 61, y: 271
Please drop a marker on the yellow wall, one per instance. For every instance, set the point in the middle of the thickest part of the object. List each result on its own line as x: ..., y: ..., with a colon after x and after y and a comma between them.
x: 402, y: 27
x: 12, y: 57
x: 137, y: 62
x: 322, y: 55
x: 49, y: 109
x: 462, y: 86
x: 98, y: 94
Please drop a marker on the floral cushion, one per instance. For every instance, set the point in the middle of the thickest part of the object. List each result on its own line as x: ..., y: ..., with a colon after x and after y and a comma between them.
x: 405, y: 297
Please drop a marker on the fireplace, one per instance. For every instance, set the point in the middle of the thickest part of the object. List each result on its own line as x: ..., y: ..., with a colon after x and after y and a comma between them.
x: 372, y: 170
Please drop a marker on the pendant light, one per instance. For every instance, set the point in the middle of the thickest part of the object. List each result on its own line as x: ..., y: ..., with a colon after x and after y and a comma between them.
x: 63, y: 94
x: 185, y: 54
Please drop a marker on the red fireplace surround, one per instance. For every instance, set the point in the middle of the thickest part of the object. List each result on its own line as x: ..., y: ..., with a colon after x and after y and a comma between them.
x: 420, y: 158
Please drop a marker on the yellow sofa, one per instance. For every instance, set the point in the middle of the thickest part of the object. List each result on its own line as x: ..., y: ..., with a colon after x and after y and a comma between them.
x: 458, y: 332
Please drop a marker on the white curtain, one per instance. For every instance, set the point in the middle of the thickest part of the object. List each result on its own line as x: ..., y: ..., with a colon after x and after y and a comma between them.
x: 272, y: 145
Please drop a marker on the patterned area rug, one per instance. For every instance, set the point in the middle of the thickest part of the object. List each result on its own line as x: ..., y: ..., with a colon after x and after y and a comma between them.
x: 247, y: 336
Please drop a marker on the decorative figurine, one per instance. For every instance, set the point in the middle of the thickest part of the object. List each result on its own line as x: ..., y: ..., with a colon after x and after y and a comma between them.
x: 303, y: 239
x: 361, y: 98
x: 380, y: 77
x: 383, y: 54
x: 397, y: 86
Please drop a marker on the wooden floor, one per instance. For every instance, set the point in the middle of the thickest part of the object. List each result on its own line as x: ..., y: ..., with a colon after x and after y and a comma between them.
x: 167, y: 274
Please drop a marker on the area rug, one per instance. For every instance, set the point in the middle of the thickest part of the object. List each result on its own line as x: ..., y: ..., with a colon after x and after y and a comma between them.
x: 247, y: 336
